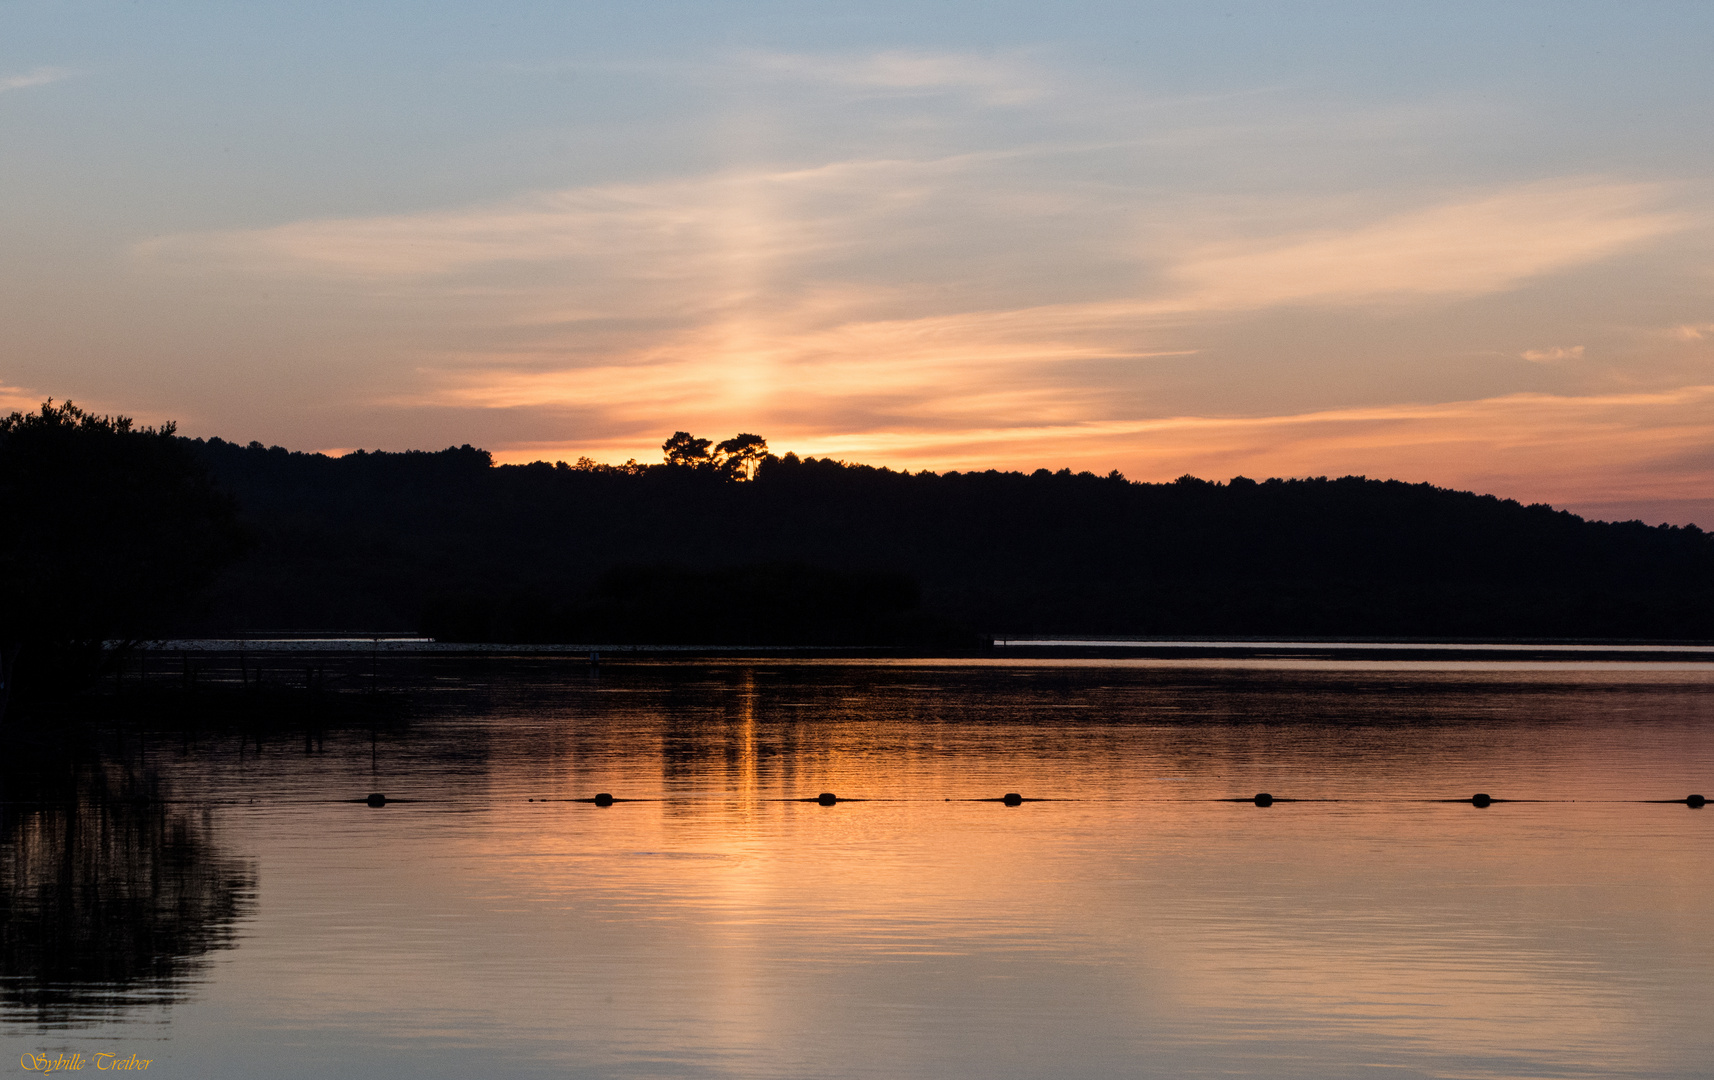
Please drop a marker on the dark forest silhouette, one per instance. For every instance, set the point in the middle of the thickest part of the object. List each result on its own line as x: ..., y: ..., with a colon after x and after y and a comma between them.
x: 109, y: 528
x: 118, y: 529
x: 726, y: 543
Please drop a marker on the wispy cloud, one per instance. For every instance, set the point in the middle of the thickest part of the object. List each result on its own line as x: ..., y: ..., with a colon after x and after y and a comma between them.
x: 35, y: 77
x: 840, y: 223
x: 895, y: 294
x: 1554, y: 354
x: 996, y: 80
x: 18, y: 399
x: 1463, y: 247
x: 673, y: 230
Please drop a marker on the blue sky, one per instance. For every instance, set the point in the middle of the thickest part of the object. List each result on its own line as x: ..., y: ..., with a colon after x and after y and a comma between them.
x: 1444, y: 242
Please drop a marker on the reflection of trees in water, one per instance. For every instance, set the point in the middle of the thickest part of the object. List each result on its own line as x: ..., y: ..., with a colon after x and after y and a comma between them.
x: 110, y: 897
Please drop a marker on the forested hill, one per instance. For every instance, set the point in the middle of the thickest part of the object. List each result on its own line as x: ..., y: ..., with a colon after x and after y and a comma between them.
x: 824, y: 552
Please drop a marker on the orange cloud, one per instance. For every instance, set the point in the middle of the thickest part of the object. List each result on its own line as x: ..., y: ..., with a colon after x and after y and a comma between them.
x: 866, y: 309
x: 1557, y: 352
x: 1470, y: 247
x: 18, y: 399
x: 742, y: 345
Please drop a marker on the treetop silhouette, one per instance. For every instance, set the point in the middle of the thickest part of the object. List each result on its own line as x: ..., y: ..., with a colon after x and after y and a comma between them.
x: 736, y: 458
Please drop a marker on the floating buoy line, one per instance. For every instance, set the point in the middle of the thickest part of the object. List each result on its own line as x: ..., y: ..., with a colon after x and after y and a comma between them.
x: 377, y: 799
x: 1480, y: 800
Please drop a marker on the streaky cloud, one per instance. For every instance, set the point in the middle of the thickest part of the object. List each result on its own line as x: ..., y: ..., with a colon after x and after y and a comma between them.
x: 992, y: 79
x: 1554, y: 354
x: 35, y: 77
x: 752, y: 298
x: 1461, y: 248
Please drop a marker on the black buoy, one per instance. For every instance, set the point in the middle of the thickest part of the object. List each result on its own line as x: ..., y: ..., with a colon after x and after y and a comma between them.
x: 1012, y: 798
x: 603, y: 799
x: 1481, y: 798
x: 1695, y: 802
x: 827, y: 798
x: 376, y: 799
x: 1264, y: 799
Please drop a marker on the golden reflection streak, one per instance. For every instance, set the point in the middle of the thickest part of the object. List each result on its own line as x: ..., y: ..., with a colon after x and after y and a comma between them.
x: 749, y: 789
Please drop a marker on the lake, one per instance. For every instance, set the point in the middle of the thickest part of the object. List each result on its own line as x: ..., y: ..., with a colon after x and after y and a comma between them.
x: 217, y: 899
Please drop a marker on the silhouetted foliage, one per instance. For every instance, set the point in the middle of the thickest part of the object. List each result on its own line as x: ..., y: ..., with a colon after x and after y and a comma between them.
x: 109, y: 530
x: 686, y: 450
x: 733, y: 459
x: 739, y: 456
x: 669, y: 552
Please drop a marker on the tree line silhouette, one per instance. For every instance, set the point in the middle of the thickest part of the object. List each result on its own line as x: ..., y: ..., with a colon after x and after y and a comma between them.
x: 124, y: 532
x: 728, y: 543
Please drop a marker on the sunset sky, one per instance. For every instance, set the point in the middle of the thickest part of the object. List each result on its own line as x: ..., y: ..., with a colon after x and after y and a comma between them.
x: 1470, y: 244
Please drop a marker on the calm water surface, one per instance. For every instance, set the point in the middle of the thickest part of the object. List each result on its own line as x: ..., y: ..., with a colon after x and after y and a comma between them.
x: 224, y: 909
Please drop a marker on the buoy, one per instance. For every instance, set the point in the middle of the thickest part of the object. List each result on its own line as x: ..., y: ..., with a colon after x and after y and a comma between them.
x: 1695, y: 802
x: 1012, y: 798
x: 1264, y: 799
x: 376, y: 799
x: 1480, y: 799
x: 603, y: 799
x: 827, y: 798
